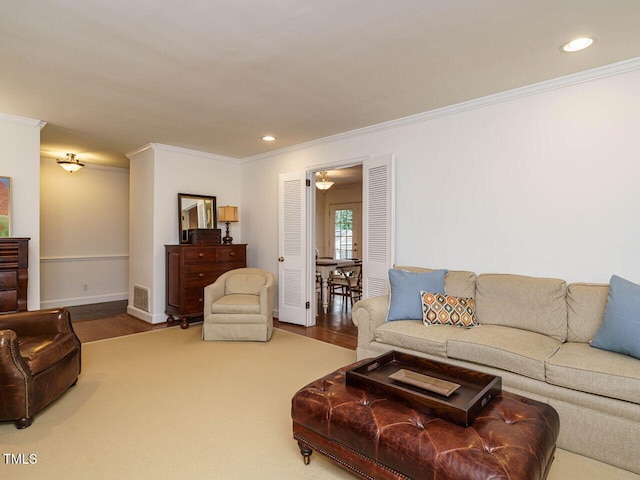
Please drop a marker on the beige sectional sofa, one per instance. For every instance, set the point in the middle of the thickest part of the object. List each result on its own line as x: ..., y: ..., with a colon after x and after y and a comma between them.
x: 534, y: 333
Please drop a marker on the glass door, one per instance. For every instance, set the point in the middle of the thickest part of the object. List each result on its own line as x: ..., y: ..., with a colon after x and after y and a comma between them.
x: 346, y: 230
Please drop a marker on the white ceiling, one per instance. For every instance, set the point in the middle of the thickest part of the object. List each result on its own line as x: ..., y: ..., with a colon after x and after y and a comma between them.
x: 110, y: 76
x: 344, y: 176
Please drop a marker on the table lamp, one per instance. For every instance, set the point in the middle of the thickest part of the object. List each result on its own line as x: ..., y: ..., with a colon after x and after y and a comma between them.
x: 227, y: 215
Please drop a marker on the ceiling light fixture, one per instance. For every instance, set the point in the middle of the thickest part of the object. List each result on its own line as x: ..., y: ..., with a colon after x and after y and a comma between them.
x: 324, y: 183
x: 577, y: 44
x: 71, y: 163
x: 268, y: 138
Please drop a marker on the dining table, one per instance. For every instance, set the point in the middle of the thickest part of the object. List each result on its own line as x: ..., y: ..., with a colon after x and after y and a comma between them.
x: 324, y: 266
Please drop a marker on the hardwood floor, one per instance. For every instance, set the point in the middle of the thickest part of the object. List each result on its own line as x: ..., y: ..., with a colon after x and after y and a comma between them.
x: 107, y: 320
x: 94, y: 311
x: 333, y: 327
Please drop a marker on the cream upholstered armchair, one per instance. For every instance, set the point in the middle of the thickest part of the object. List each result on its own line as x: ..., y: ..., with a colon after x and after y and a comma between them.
x: 239, y: 306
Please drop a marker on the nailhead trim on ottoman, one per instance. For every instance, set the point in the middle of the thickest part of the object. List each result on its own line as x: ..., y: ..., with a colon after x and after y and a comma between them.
x: 513, y: 438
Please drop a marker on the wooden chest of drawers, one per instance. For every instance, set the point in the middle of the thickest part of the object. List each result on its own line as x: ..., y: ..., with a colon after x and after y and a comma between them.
x: 14, y: 269
x: 190, y: 268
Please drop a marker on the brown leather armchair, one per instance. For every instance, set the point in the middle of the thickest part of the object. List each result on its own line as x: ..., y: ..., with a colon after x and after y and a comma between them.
x: 39, y: 361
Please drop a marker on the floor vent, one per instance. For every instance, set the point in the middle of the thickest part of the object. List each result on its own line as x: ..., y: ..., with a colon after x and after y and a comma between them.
x: 141, y: 298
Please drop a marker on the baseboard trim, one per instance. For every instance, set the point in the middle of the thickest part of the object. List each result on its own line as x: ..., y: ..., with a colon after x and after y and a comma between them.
x: 74, y: 302
x: 146, y: 316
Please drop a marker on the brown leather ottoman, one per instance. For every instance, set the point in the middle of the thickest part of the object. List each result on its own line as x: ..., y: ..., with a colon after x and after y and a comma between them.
x: 377, y: 438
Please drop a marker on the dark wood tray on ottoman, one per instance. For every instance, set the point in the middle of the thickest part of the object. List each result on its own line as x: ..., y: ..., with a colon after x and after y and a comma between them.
x: 454, y: 393
x: 376, y: 437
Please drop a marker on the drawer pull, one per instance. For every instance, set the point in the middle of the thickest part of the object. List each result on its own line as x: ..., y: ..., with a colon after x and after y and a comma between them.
x: 200, y: 300
x: 231, y: 254
x: 201, y: 254
x: 201, y: 275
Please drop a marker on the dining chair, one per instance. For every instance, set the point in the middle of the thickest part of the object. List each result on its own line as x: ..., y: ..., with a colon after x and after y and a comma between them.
x: 348, y: 282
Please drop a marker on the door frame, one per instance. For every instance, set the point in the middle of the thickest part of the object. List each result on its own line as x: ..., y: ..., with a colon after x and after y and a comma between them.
x: 311, y: 225
x: 377, y: 270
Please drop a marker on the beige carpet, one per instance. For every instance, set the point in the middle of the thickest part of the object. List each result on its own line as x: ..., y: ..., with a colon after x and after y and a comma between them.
x: 165, y: 405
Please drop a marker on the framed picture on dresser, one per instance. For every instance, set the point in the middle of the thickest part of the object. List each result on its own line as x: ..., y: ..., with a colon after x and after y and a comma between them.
x: 5, y: 206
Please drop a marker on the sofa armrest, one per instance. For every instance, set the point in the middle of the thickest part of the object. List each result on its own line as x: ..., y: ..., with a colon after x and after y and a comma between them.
x: 38, y: 322
x: 369, y: 314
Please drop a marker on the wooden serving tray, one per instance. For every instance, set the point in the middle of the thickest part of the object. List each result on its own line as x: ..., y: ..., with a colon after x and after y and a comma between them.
x: 453, y: 393
x: 425, y: 382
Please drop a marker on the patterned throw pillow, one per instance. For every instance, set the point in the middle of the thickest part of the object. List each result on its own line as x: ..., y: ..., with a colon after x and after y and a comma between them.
x: 441, y: 309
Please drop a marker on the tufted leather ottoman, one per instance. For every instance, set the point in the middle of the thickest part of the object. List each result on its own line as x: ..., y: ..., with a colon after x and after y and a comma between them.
x: 513, y: 438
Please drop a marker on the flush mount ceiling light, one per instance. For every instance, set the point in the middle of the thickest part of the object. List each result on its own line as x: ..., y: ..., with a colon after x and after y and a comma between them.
x: 324, y: 183
x: 577, y: 44
x: 268, y: 138
x: 71, y: 163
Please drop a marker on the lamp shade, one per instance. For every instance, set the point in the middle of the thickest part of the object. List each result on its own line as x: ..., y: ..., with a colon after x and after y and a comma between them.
x: 228, y: 214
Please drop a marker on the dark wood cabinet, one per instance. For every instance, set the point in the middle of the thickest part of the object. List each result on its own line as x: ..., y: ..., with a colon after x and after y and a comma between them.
x: 190, y: 268
x: 14, y: 274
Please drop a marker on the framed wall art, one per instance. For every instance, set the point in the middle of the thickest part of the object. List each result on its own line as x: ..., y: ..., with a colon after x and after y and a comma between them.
x: 5, y: 206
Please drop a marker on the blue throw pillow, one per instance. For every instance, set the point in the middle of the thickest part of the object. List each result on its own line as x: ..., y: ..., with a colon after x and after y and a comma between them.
x: 406, y: 301
x: 620, y: 329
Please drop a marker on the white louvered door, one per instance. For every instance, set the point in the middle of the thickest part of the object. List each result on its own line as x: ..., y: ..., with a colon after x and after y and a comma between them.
x: 378, y: 178
x: 292, y: 272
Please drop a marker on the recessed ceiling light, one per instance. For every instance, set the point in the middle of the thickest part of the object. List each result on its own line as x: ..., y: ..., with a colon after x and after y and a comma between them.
x: 577, y: 44
x: 268, y: 138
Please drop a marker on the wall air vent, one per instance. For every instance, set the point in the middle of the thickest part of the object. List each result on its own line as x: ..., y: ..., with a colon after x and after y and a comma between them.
x: 141, y: 297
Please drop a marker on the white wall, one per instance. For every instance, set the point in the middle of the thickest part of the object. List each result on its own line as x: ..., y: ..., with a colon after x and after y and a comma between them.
x: 141, y: 227
x: 20, y: 160
x: 84, y: 224
x: 539, y: 182
x: 158, y: 174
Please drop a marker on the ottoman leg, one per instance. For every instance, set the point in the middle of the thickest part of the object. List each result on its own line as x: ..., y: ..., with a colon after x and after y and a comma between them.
x: 306, y: 452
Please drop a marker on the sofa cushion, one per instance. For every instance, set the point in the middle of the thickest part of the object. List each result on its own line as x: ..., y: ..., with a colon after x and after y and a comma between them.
x: 458, y: 283
x: 42, y: 351
x: 237, y: 303
x: 441, y: 309
x: 511, y: 349
x: 245, y: 283
x: 405, y: 303
x: 580, y: 367
x: 413, y: 335
x: 528, y: 303
x: 586, y: 303
x: 620, y: 329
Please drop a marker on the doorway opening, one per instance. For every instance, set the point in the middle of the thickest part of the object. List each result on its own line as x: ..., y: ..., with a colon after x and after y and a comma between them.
x: 338, y: 236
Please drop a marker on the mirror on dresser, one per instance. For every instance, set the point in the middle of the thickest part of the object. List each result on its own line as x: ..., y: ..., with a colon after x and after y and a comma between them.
x: 195, y: 212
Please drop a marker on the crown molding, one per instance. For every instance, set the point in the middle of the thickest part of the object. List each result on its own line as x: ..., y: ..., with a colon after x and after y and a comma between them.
x: 24, y: 121
x: 195, y: 153
x: 138, y: 150
x: 533, y: 89
x: 182, y: 151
